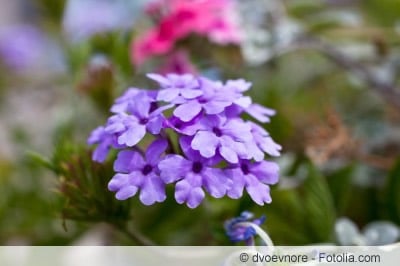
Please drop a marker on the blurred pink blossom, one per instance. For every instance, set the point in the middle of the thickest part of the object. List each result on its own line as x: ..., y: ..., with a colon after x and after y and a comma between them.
x: 215, y: 19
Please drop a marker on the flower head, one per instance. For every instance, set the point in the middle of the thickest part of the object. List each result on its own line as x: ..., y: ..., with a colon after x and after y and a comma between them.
x: 218, y: 152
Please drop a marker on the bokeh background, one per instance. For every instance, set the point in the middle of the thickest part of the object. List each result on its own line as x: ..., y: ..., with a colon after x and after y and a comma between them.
x: 329, y: 67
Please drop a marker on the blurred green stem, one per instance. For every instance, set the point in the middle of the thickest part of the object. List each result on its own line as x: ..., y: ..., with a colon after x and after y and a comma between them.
x: 133, y: 234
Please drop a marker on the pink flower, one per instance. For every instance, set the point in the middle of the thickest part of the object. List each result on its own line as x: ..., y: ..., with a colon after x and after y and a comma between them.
x: 214, y: 19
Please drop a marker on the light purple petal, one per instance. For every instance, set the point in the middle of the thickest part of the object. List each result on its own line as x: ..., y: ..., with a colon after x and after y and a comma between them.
x: 187, y: 111
x: 168, y: 95
x: 155, y: 124
x: 118, y: 181
x: 236, y: 189
x: 132, y: 135
x: 100, y: 153
x: 161, y: 109
x: 260, y: 112
x: 121, y: 103
x: 214, y: 107
x: 268, y: 145
x: 185, y: 192
x: 211, y: 121
x: 152, y: 190
x: 206, y: 143
x: 191, y: 94
x: 155, y: 150
x: 127, y: 161
x: 259, y: 194
x: 254, y: 151
x: 267, y: 172
x: 126, y: 192
x: 238, y: 129
x: 228, y: 154
x: 232, y: 149
x: 243, y: 102
x: 140, y: 105
x: 96, y: 135
x: 216, y: 182
x: 159, y: 79
x: 238, y: 85
x: 115, y: 125
x: 173, y: 168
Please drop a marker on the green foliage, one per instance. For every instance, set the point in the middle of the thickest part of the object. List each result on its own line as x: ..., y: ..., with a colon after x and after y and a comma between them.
x: 392, y: 193
x: 83, y: 187
x: 340, y: 185
x: 304, y: 214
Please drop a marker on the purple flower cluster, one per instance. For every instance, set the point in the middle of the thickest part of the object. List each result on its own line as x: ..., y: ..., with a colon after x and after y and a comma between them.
x: 217, y: 152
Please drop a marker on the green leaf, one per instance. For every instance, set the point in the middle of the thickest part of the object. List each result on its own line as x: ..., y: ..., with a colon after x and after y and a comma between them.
x: 305, y: 214
x: 40, y: 160
x: 393, y: 193
x: 340, y: 187
x: 319, y: 206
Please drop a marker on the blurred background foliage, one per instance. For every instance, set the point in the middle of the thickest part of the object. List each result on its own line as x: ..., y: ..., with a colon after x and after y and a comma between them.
x: 329, y: 67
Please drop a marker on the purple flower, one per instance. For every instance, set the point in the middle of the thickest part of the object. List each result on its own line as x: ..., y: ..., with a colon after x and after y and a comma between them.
x: 131, y: 127
x: 259, y: 112
x: 237, y: 232
x: 105, y: 142
x: 193, y: 174
x: 137, y: 173
x: 220, y: 153
x: 255, y: 178
x: 222, y: 135
x: 244, y: 103
x: 214, y: 100
x: 185, y: 128
x: 130, y: 98
x: 177, y: 88
x: 262, y: 143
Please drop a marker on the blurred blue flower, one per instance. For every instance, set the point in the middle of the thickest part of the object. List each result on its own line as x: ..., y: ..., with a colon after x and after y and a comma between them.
x: 237, y: 231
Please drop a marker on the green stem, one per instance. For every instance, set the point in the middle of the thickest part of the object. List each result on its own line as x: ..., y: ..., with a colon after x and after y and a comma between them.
x: 134, y: 234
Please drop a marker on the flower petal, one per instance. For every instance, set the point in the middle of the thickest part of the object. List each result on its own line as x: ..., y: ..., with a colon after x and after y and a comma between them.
x: 132, y: 135
x: 215, y: 107
x: 216, y: 182
x: 173, y: 168
x: 126, y: 192
x: 258, y: 191
x: 191, y: 94
x: 168, y: 95
x: 228, y: 154
x: 187, y: 111
x: 206, y: 143
x: 127, y: 161
x: 237, y: 185
x: 152, y: 190
x: 184, y: 192
x: 155, y: 150
x: 265, y: 171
